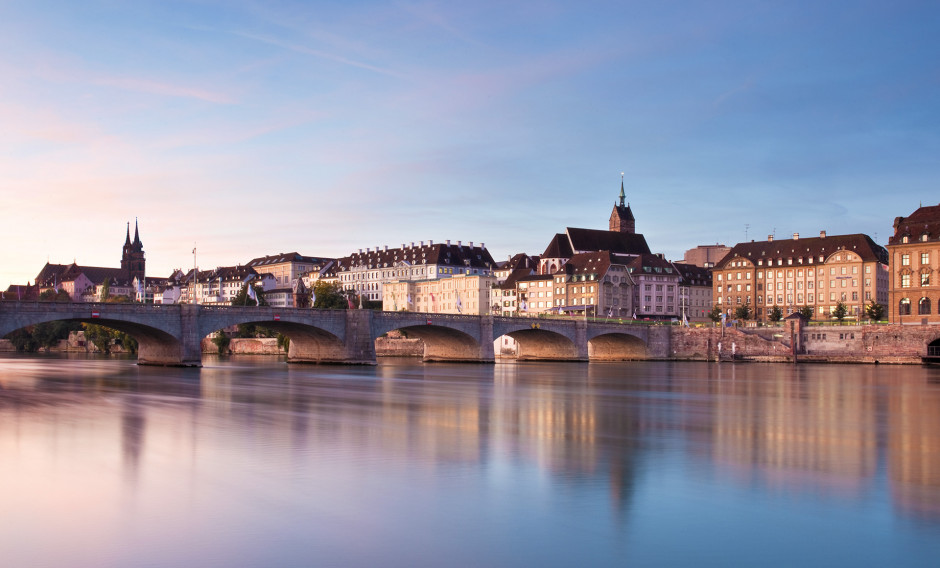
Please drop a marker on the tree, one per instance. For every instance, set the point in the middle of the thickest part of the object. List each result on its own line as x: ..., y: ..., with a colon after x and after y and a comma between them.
x: 775, y: 314
x: 105, y: 289
x: 222, y: 341
x: 840, y: 311
x: 55, y: 296
x: 743, y: 312
x: 104, y: 337
x: 806, y: 312
x: 715, y: 313
x: 329, y: 296
x: 242, y: 299
x: 283, y: 342
x: 875, y: 311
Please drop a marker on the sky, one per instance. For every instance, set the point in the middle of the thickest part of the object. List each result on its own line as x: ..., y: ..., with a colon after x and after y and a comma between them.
x: 244, y: 128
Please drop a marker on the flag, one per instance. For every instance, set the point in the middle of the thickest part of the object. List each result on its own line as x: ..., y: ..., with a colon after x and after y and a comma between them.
x: 252, y: 294
x: 610, y: 312
x: 313, y: 298
x: 409, y: 299
x: 522, y: 305
x: 634, y: 313
x: 459, y: 305
x: 351, y: 306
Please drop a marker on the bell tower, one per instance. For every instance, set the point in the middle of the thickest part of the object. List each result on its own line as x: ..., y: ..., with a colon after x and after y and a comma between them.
x: 621, y: 218
x: 132, y: 260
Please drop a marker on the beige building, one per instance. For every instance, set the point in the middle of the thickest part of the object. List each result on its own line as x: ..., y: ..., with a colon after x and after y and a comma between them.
x: 705, y: 256
x: 915, y: 267
x: 818, y: 272
x: 469, y: 294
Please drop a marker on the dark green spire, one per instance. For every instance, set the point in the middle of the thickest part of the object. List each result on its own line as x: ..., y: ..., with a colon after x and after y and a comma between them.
x: 623, y: 195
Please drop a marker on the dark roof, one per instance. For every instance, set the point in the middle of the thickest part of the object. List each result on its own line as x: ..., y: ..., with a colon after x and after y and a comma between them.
x: 287, y: 257
x: 440, y: 254
x: 53, y: 273
x: 624, y: 212
x: 596, y: 262
x: 584, y: 240
x: 693, y: 275
x: 858, y: 243
x: 923, y: 220
x: 559, y: 247
x: 651, y: 263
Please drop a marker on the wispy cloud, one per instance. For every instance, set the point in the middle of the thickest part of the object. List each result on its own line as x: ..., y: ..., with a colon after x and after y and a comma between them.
x: 151, y: 87
x: 315, y: 53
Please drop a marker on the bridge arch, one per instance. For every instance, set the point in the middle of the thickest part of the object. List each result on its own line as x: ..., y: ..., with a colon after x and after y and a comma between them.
x: 536, y: 344
x: 158, y: 340
x: 616, y: 346
x: 446, y: 337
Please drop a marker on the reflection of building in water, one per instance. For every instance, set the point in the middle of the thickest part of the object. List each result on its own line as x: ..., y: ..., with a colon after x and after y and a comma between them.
x: 823, y: 427
x: 914, y: 446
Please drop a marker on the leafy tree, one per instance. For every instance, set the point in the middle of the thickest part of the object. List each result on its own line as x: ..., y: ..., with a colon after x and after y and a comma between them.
x: 104, y: 337
x: 242, y: 298
x: 806, y: 312
x: 875, y: 311
x: 775, y: 314
x: 55, y: 296
x: 106, y: 290
x: 283, y: 342
x: 715, y: 313
x: 222, y: 341
x: 743, y: 312
x: 840, y: 311
x: 42, y: 335
x: 329, y: 296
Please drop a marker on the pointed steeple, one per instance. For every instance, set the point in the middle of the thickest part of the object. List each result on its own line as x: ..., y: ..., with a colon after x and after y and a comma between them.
x: 127, y: 240
x: 137, y: 244
x: 623, y: 194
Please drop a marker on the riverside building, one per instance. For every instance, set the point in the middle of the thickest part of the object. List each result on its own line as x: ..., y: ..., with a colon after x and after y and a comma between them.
x: 915, y: 267
x: 818, y: 272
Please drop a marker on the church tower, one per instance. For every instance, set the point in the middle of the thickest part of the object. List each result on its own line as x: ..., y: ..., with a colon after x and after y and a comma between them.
x: 132, y: 261
x: 621, y: 219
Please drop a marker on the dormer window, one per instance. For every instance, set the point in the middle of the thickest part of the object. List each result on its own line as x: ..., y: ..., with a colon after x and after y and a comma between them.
x: 924, y: 237
x: 905, y: 239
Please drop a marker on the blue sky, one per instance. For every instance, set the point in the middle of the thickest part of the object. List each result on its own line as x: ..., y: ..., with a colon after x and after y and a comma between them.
x: 251, y: 128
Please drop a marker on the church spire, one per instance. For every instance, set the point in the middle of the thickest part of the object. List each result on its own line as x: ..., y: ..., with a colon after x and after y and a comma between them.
x: 623, y: 195
x: 137, y: 243
x: 127, y: 240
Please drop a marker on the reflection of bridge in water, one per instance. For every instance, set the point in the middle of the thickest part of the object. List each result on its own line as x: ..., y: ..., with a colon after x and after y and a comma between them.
x: 172, y: 334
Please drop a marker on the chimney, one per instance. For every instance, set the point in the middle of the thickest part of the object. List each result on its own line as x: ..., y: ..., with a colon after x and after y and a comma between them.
x: 459, y: 243
x: 431, y: 243
x: 368, y: 250
x: 796, y: 236
x: 422, y: 243
x: 482, y: 245
x: 770, y: 238
x: 471, y: 244
x: 412, y: 244
x: 448, y: 242
x: 386, y: 248
x: 360, y: 251
x: 822, y: 234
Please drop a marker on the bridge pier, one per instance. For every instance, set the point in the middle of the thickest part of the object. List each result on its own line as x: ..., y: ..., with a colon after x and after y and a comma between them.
x: 186, y: 351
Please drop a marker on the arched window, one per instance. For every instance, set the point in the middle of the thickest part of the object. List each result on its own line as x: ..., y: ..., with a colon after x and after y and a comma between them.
x: 923, y: 306
x: 904, y: 307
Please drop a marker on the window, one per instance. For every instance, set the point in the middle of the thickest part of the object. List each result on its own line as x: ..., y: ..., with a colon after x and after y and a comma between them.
x: 905, y: 281
x: 925, y: 258
x: 925, y: 279
x: 923, y: 306
x: 905, y: 260
x: 904, y: 307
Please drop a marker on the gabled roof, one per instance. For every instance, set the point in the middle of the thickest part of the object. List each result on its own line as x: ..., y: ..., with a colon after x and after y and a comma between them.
x: 575, y: 240
x: 652, y: 264
x: 693, y: 275
x: 559, y: 247
x: 814, y: 247
x: 284, y: 257
x: 445, y: 254
x: 925, y: 220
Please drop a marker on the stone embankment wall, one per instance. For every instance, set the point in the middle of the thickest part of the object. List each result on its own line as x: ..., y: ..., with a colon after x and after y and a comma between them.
x: 904, y: 344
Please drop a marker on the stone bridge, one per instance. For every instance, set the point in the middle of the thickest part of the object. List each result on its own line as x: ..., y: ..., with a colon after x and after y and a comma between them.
x: 172, y: 334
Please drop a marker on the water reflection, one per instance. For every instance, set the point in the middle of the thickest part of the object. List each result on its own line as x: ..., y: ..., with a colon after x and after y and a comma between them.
x: 596, y: 455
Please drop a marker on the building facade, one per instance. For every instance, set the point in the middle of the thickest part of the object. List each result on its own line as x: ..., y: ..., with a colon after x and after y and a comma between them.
x: 469, y: 294
x: 914, y: 249
x: 365, y: 273
x: 818, y: 272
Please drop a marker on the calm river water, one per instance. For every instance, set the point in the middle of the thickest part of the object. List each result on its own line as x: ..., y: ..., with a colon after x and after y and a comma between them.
x: 252, y: 462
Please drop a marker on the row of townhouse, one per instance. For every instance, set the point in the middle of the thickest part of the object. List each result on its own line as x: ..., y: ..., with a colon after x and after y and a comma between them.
x: 823, y: 272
